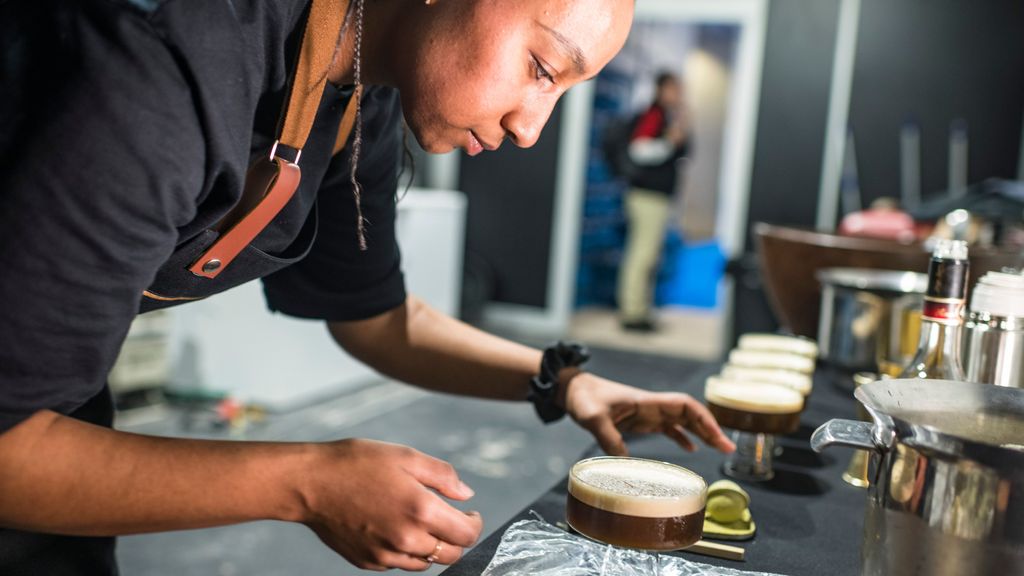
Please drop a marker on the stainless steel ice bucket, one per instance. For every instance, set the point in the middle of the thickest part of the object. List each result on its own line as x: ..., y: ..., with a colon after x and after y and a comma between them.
x: 993, y: 349
x: 993, y: 343
x: 868, y: 316
x: 947, y: 478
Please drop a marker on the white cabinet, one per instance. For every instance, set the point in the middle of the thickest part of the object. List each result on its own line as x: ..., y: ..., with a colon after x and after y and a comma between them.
x: 232, y: 343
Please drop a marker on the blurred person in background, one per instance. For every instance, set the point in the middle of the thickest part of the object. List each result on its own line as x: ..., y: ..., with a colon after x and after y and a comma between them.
x: 660, y: 139
x: 126, y: 136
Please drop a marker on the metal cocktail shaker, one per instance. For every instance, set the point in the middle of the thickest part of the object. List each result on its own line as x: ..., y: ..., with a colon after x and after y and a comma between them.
x: 993, y: 344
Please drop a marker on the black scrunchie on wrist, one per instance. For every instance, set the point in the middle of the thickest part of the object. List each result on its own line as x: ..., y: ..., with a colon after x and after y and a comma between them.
x: 544, y: 386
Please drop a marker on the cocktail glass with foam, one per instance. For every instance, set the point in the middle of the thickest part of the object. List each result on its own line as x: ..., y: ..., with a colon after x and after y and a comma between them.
x: 636, y: 503
x: 756, y: 412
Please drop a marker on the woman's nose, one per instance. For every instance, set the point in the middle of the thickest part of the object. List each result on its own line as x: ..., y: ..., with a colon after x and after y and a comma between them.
x: 524, y: 125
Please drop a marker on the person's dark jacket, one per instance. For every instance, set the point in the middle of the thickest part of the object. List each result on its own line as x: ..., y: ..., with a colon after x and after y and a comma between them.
x: 662, y: 175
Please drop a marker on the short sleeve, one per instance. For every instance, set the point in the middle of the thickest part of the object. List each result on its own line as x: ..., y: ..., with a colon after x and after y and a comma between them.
x: 337, y: 280
x: 98, y: 166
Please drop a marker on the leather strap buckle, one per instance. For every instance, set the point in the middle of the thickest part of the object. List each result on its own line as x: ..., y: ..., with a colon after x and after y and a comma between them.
x: 271, y: 182
x: 273, y: 152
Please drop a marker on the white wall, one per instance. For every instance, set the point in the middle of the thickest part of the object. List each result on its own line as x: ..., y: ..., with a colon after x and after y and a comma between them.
x: 232, y: 343
x: 708, y: 76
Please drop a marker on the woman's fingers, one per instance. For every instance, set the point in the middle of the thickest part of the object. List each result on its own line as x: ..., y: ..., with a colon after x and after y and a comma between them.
x: 445, y: 529
x: 667, y: 411
x: 437, y: 516
x: 428, y: 549
x: 443, y: 552
x: 675, y: 432
x: 388, y: 510
x: 452, y: 525
x: 439, y: 475
x: 606, y: 408
x: 699, y: 420
x: 416, y: 549
x: 417, y: 563
x: 606, y: 434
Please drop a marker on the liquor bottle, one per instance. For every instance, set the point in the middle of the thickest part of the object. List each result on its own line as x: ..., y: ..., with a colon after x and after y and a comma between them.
x: 938, y: 352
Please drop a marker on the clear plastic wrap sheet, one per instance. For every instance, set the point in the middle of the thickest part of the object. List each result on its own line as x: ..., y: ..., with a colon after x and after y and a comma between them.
x: 536, y: 548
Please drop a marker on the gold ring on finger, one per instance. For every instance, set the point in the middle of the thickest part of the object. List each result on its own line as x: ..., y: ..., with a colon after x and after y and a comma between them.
x: 435, y: 554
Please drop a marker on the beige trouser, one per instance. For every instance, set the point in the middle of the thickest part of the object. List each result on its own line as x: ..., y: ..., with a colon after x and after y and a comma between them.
x: 647, y: 213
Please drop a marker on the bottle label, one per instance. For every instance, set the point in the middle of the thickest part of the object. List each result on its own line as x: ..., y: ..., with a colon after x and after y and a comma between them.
x: 947, y: 278
x: 943, y: 310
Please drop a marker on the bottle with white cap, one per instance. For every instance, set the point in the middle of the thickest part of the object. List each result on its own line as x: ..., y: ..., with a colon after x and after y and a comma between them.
x: 994, y: 331
x: 938, y: 352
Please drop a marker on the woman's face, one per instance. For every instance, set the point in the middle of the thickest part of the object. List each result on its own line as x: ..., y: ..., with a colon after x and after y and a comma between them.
x: 474, y: 72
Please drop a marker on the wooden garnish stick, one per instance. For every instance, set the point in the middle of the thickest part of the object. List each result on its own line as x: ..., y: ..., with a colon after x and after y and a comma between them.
x: 716, y: 550
x: 704, y: 547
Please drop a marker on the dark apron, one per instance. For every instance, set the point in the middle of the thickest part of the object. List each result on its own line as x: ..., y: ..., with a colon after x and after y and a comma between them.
x: 175, y: 284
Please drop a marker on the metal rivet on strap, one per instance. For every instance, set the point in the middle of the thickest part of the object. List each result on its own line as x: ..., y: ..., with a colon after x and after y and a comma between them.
x: 211, y: 265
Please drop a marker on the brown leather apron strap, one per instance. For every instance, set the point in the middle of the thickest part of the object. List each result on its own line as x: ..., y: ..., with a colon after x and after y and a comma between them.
x: 318, y: 45
x: 271, y: 181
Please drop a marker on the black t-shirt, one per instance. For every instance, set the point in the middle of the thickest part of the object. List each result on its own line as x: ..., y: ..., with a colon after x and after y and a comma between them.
x: 126, y: 130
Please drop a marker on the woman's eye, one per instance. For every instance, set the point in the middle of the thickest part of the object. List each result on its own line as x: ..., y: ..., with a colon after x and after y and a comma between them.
x: 541, y: 73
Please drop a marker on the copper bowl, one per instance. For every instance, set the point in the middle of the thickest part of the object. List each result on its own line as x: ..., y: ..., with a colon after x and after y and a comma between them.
x: 789, y: 258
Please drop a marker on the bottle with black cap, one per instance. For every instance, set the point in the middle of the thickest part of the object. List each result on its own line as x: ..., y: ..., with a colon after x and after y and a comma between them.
x: 938, y: 353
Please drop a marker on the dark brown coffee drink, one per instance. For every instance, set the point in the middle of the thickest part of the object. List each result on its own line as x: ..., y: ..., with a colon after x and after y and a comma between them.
x: 754, y: 407
x: 636, y: 503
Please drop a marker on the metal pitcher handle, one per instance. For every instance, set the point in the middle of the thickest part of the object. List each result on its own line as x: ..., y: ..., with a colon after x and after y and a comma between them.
x: 839, y: 432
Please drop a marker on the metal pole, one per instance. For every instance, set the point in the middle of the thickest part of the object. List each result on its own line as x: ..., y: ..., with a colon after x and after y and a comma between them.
x: 958, y: 157
x: 910, y: 165
x: 838, y: 114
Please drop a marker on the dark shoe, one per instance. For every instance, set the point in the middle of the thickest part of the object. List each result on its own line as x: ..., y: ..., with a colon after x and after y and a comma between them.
x: 645, y: 325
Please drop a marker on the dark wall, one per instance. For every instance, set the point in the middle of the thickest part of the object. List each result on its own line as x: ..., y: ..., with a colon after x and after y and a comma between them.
x: 790, y: 141
x: 511, y: 195
x: 936, y: 61
x: 931, y: 60
x: 793, y: 111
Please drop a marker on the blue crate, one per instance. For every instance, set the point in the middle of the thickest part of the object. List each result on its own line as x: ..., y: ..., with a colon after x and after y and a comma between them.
x: 690, y: 275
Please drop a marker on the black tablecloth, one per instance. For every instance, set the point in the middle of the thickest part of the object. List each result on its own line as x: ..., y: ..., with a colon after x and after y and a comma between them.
x: 809, y: 521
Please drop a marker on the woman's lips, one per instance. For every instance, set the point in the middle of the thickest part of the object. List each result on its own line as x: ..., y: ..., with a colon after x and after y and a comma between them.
x: 473, y: 147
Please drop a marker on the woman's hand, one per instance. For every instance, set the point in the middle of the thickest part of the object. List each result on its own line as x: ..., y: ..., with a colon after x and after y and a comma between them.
x: 607, y: 409
x: 375, y: 504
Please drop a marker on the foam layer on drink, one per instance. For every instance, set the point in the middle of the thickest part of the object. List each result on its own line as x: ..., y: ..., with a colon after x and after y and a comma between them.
x: 757, y: 397
x: 637, y: 487
x: 777, y: 360
x: 798, y: 381
x: 779, y: 343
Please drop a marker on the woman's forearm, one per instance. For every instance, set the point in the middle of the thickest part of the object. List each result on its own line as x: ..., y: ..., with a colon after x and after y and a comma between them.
x: 419, y: 345
x: 64, y: 476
